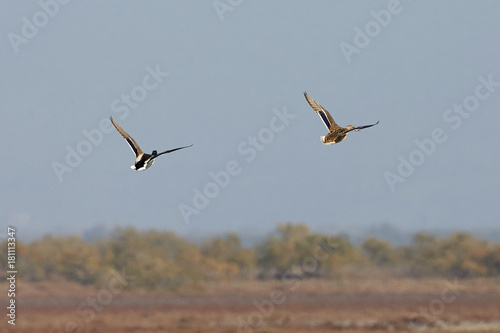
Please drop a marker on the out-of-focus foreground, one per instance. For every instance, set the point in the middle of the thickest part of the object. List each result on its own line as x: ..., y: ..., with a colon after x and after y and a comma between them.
x: 162, y: 260
x: 292, y: 281
x: 373, y: 303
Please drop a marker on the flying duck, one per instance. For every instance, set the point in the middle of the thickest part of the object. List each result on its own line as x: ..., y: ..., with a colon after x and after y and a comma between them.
x: 142, y: 160
x: 337, y: 133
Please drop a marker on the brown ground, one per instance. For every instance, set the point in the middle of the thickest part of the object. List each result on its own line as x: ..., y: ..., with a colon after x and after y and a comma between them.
x: 314, y: 306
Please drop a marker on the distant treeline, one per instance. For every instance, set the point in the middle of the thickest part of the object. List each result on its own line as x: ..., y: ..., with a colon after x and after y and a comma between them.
x: 163, y: 260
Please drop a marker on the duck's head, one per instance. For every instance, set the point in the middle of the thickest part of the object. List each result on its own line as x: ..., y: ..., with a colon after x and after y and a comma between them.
x: 154, y: 153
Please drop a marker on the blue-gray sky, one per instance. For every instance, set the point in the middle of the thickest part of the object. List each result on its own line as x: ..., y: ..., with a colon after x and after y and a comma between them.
x: 228, y: 77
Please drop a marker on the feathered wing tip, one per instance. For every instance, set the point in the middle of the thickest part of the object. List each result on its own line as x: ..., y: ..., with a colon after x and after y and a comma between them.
x: 357, y: 129
x: 131, y: 142
x: 322, y: 112
x: 171, y: 150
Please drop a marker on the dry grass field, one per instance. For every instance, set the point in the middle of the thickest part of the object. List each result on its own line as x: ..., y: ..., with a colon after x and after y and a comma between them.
x: 353, y: 305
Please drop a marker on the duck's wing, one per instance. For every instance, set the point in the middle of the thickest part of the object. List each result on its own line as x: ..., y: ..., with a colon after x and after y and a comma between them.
x: 321, y: 111
x: 361, y: 127
x: 135, y: 147
x: 170, y: 150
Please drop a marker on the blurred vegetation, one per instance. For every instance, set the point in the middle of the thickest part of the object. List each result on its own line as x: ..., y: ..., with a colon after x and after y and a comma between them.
x: 162, y: 260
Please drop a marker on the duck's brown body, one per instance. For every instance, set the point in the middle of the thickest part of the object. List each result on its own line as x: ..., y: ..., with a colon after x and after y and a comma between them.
x: 337, y: 133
